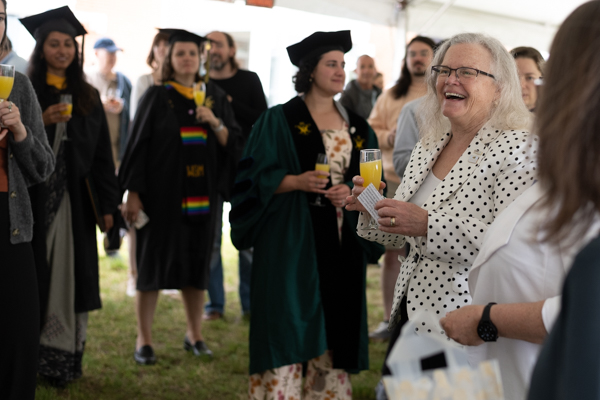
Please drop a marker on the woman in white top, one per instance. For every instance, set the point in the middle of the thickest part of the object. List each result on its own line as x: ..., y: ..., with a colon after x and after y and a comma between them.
x: 524, y: 275
x: 474, y: 158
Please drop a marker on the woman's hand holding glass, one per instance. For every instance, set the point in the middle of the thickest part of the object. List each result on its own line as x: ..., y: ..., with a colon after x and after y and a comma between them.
x: 10, y: 116
x: 352, y: 203
x: 205, y: 115
x: 56, y: 113
x: 312, y: 181
x: 409, y: 219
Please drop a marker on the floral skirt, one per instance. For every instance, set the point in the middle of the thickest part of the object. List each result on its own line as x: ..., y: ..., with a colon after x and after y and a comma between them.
x: 322, y: 382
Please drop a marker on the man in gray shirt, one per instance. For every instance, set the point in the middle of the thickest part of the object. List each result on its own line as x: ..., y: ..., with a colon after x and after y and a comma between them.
x: 360, y: 94
x: 407, y: 136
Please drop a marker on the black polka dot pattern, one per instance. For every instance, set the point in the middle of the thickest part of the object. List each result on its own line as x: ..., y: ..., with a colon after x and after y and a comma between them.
x: 497, y: 167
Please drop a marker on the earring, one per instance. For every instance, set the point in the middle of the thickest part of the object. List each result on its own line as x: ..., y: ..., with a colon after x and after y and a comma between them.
x: 310, y: 79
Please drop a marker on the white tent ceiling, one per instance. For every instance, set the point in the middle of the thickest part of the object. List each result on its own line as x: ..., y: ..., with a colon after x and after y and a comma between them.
x: 514, y: 22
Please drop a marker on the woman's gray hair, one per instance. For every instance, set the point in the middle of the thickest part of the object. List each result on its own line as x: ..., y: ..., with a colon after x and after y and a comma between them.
x: 508, y: 112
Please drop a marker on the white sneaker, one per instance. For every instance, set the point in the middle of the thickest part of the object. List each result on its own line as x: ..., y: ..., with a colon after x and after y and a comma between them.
x: 130, y: 287
x: 381, y: 333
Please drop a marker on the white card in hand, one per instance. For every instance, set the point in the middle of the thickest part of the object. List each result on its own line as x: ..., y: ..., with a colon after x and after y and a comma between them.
x: 368, y: 198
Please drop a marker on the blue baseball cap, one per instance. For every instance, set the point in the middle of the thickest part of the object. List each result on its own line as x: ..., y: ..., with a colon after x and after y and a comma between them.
x: 107, y: 44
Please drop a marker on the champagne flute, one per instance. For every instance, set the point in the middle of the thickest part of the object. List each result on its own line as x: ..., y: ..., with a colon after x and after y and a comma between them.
x: 199, y: 93
x: 322, y: 164
x: 370, y: 171
x: 7, y: 79
x: 68, y: 100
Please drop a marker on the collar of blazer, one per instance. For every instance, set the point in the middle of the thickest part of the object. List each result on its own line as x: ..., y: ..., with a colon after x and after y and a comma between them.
x: 465, y: 166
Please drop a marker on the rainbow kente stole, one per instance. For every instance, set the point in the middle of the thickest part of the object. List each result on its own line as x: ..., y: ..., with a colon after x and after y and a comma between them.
x: 195, y: 204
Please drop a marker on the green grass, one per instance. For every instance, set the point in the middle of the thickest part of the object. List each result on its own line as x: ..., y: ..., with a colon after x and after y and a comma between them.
x: 109, y: 371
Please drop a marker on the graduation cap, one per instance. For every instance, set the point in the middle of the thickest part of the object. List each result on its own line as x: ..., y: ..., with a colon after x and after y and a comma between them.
x: 319, y: 43
x: 181, y: 35
x: 60, y: 19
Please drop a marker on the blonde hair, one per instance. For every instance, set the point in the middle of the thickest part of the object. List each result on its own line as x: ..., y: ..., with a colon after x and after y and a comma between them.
x: 508, y: 112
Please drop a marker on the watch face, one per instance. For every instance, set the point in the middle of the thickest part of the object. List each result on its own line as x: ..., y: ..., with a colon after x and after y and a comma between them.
x: 487, y: 331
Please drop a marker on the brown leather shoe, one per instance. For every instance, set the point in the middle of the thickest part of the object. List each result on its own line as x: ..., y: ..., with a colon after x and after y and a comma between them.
x: 212, y: 315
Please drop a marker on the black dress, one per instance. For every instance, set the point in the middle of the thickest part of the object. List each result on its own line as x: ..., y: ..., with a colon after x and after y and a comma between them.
x: 173, y: 252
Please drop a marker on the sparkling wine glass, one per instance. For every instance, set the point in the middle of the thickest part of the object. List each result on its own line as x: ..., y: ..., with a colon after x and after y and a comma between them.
x: 199, y: 93
x: 7, y: 79
x: 370, y: 171
x: 322, y: 164
x: 68, y: 100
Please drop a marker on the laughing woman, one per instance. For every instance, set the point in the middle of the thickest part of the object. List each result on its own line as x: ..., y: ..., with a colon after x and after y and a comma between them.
x: 475, y: 156
x: 179, y: 158
x: 25, y: 159
x: 65, y: 235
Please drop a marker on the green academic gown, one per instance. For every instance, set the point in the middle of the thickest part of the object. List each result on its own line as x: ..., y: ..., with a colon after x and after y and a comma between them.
x: 306, y: 298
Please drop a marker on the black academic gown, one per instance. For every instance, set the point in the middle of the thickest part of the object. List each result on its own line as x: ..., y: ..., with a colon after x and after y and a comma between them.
x: 153, y: 166
x: 88, y: 153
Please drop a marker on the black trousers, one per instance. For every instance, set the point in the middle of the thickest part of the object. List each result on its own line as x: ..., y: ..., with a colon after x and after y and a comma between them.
x: 19, y: 305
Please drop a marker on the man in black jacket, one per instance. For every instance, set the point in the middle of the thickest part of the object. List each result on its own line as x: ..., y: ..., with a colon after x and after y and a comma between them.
x: 246, y: 95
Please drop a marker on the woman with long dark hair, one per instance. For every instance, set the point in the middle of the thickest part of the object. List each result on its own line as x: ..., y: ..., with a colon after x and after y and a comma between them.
x: 81, y: 192
x: 25, y: 159
x: 179, y: 158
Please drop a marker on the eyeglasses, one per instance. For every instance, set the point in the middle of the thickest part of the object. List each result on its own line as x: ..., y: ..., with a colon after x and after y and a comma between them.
x: 463, y: 74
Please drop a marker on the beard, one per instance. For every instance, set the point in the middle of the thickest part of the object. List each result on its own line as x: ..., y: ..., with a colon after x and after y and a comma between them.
x: 418, y: 69
x: 217, y: 63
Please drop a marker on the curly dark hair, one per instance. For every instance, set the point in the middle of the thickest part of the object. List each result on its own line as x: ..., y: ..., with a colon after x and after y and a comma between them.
x: 168, y: 73
x: 303, y: 80
x: 84, y: 98
x: 401, y: 87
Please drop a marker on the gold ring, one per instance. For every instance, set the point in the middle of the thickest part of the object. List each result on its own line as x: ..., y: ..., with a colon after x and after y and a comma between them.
x: 392, y: 221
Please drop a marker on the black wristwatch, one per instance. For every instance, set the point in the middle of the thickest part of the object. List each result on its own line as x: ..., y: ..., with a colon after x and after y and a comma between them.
x: 486, y: 329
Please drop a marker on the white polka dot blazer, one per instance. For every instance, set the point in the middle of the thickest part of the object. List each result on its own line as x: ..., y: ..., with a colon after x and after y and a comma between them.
x: 496, y: 168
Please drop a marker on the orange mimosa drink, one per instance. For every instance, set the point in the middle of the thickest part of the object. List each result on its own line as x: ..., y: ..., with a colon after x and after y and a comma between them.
x: 322, y: 167
x: 68, y: 111
x: 199, y: 97
x: 6, y: 85
x: 371, y: 173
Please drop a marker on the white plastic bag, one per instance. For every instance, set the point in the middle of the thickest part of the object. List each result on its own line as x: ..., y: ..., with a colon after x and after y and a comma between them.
x: 458, y: 381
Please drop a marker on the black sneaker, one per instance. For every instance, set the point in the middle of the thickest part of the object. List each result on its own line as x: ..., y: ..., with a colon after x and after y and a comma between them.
x: 199, y: 348
x: 145, y: 355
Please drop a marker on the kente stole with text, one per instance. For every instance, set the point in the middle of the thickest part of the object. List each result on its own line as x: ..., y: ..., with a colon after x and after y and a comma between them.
x: 195, y: 205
